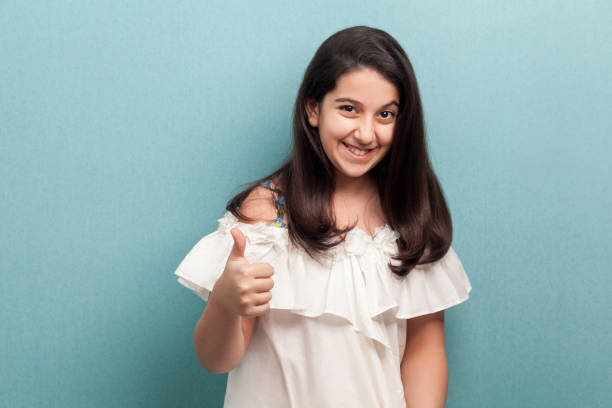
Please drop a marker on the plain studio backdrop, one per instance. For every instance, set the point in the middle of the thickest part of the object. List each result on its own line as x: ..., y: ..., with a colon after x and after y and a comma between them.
x: 126, y: 125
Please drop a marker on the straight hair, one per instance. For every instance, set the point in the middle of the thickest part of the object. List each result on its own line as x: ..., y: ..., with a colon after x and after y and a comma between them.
x: 411, y: 197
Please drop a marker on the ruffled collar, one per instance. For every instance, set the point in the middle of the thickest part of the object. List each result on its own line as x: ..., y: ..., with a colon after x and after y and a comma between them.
x: 357, y: 241
x: 385, y: 238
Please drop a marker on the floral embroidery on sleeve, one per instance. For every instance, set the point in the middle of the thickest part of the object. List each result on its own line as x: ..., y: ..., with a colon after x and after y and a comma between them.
x: 280, y: 205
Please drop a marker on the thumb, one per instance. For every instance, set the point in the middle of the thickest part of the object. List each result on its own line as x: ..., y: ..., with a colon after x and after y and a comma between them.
x: 239, y: 243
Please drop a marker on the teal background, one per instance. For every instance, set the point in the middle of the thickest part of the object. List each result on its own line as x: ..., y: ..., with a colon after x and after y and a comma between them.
x: 126, y: 126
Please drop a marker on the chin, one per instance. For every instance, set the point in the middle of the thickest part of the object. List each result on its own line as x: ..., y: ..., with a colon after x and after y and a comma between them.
x: 354, y: 173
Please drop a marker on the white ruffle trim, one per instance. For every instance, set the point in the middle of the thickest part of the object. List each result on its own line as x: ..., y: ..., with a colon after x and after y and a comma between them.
x: 353, y: 282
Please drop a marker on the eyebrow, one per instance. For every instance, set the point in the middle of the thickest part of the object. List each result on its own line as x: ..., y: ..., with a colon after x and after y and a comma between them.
x: 393, y: 102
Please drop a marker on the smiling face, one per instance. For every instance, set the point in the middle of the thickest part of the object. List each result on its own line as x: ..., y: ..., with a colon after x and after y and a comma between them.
x: 355, y: 121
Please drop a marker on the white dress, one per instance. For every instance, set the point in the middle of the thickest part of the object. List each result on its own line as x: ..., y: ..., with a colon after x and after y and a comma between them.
x: 335, y: 332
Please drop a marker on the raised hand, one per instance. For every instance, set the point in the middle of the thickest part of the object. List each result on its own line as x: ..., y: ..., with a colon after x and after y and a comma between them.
x: 243, y: 288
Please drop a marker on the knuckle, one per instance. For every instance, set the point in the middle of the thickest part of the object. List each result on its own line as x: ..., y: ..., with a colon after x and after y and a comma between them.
x: 244, y: 301
x: 244, y: 271
x: 243, y: 288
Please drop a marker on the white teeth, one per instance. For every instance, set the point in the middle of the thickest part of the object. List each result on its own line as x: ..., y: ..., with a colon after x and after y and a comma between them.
x: 356, y: 151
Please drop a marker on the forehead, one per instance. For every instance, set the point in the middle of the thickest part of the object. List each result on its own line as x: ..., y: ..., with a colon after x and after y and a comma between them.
x: 365, y: 85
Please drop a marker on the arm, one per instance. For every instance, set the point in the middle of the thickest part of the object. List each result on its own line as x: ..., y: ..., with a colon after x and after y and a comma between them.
x: 424, y: 369
x: 220, y: 337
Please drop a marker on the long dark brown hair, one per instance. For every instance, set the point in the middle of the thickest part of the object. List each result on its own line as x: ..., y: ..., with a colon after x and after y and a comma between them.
x: 410, y: 194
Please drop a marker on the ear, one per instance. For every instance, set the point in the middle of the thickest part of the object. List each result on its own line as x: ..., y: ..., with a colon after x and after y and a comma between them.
x: 312, y: 110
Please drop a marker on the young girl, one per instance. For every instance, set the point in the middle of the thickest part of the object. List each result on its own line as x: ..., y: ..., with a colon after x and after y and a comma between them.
x: 326, y: 281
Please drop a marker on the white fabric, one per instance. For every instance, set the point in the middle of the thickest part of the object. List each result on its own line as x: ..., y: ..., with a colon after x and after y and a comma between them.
x: 335, y: 332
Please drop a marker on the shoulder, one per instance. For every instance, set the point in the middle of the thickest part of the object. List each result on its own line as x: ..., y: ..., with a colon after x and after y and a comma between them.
x: 260, y: 205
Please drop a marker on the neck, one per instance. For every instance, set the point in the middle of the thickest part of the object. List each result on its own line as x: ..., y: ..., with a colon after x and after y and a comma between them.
x: 353, y: 186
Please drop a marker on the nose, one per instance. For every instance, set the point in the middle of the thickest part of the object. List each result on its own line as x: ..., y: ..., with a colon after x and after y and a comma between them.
x: 365, y: 134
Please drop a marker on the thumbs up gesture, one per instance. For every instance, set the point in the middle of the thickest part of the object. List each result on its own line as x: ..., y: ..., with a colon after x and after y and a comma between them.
x: 243, y: 288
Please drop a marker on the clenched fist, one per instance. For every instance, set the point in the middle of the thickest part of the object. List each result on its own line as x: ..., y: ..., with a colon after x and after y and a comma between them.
x: 243, y: 288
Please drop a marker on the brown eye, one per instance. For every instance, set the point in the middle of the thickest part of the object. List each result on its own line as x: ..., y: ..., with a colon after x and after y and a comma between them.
x: 345, y: 107
x: 389, y: 114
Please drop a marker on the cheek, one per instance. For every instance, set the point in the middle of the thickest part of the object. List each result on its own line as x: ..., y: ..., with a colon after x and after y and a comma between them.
x: 337, y: 129
x: 385, y: 136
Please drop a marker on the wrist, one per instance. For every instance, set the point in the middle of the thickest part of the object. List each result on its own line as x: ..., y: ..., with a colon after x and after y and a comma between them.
x: 218, y: 306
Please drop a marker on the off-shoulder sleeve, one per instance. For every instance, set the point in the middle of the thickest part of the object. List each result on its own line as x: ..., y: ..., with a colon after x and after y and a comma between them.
x: 205, y: 262
x: 433, y: 287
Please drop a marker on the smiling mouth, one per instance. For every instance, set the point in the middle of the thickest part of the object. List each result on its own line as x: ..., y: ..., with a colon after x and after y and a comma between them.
x: 357, y: 152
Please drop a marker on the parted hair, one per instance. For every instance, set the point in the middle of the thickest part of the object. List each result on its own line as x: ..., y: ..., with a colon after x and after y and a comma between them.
x: 410, y: 194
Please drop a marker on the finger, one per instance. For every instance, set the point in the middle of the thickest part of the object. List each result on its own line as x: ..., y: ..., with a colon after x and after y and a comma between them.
x: 260, y: 310
x: 262, y: 285
x: 239, y: 243
x: 261, y: 298
x: 261, y: 270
